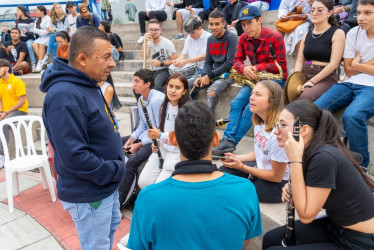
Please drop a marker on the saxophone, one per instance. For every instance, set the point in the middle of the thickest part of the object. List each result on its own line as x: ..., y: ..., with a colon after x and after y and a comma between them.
x: 242, y: 80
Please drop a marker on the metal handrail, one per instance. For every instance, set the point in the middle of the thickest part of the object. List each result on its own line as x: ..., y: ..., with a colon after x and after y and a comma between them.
x: 33, y: 4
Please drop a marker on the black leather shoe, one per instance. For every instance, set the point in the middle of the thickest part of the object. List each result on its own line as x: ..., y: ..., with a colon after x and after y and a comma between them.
x: 224, y: 146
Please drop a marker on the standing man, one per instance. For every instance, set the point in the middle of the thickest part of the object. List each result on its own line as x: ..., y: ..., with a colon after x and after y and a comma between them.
x: 16, y: 52
x: 219, y: 58
x: 13, y: 101
x: 85, y: 18
x: 163, y: 54
x: 254, y: 43
x: 84, y: 134
x: 72, y: 18
x: 194, y: 47
x: 198, y: 207
x: 138, y: 143
x: 357, y: 92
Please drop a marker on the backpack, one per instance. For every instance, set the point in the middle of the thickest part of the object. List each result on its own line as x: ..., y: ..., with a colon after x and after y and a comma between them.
x: 79, y: 19
x: 352, y: 16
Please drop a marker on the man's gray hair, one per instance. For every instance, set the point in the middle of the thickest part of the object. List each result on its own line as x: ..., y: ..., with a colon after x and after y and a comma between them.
x: 192, y: 23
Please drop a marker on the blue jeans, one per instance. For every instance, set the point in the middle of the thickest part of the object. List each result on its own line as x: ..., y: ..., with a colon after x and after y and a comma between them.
x: 52, y: 45
x: 240, y: 115
x: 31, y: 51
x: 95, y: 8
x: 360, y: 107
x: 104, y: 14
x: 95, y: 227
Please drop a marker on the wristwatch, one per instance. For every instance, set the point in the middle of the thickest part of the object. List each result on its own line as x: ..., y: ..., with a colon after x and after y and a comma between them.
x: 162, y: 63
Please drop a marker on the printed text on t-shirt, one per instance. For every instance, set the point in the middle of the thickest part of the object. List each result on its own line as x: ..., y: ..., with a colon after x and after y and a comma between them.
x: 216, y: 49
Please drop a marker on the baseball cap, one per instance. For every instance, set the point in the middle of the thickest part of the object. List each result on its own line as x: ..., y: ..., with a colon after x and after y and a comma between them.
x: 249, y: 12
x: 70, y: 4
x: 83, y: 10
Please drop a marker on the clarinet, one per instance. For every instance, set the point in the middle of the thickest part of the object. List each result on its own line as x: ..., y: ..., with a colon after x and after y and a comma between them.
x: 149, y: 125
x: 290, y: 239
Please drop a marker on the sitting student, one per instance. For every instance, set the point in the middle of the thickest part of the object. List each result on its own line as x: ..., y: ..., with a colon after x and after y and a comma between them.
x: 105, y: 27
x: 185, y: 9
x: 341, y: 9
x: 356, y: 93
x: 63, y: 41
x: 215, y: 210
x: 86, y: 18
x: 40, y: 44
x: 163, y: 53
x: 219, y: 58
x: 261, y: 5
x: 176, y: 96
x: 351, y: 20
x: 139, y: 143
x: 109, y: 93
x: 72, y: 17
x: 13, y: 101
x: 16, y: 52
x: 268, y: 163
x: 323, y: 175
x: 58, y: 23
x: 321, y: 49
x: 292, y: 40
x: 194, y: 47
x: 231, y: 13
x: 254, y: 44
x: 130, y: 10
x: 26, y: 25
x: 154, y: 9
x: 214, y: 5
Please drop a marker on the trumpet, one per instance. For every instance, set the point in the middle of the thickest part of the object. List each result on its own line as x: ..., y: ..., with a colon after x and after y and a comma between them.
x: 242, y: 80
x: 149, y: 44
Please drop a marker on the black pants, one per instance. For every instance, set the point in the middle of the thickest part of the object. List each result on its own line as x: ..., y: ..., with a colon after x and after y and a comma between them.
x: 159, y: 15
x: 347, y: 27
x: 267, y: 191
x: 320, y: 234
x: 132, y: 166
x: 204, y: 14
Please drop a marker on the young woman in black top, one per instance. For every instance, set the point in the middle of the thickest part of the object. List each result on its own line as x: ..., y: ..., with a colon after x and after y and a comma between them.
x: 320, y: 52
x: 323, y: 175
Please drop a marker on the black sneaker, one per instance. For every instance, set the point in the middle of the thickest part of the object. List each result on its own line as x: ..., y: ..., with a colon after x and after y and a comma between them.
x: 224, y: 146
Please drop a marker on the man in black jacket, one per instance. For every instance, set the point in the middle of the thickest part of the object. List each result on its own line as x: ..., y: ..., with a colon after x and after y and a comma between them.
x: 185, y: 9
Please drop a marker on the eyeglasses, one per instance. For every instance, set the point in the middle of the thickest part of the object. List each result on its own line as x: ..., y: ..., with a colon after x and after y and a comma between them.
x: 279, y: 126
x: 153, y: 30
x: 317, y: 11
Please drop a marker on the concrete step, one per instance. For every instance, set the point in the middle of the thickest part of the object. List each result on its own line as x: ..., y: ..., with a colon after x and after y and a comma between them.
x: 129, y: 45
x: 124, y: 89
x: 133, y: 54
x: 127, y: 101
x: 129, y: 65
x: 122, y: 76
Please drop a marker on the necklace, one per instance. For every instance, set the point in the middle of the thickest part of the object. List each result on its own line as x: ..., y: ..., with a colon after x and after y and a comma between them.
x: 319, y: 35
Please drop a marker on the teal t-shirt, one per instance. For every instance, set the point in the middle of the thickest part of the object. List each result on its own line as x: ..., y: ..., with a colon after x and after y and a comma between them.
x: 216, y: 214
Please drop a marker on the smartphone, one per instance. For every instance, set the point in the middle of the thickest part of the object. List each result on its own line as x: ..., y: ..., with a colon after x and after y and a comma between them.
x: 221, y: 157
x: 296, y: 129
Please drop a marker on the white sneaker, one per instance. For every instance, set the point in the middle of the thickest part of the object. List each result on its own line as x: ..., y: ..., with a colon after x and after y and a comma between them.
x: 141, y: 39
x: 39, y: 66
x: 2, y: 160
x: 45, y: 58
x: 33, y: 67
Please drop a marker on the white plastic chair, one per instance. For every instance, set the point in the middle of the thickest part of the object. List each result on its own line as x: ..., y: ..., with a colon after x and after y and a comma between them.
x: 26, y: 157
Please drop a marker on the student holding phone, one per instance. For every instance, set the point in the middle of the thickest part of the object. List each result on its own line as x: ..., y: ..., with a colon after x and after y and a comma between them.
x: 271, y: 172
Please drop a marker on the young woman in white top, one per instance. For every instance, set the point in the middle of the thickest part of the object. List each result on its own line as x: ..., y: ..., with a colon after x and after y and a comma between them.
x: 40, y: 44
x: 271, y: 172
x: 176, y: 95
x: 109, y: 93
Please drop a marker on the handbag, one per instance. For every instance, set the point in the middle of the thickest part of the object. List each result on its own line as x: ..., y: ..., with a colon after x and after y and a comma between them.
x: 291, y: 24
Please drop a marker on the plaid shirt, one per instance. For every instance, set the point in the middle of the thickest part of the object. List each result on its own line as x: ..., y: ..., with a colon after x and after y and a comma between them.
x: 264, y: 62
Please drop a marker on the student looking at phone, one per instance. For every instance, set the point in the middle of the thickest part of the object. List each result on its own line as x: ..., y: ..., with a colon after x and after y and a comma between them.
x: 271, y: 172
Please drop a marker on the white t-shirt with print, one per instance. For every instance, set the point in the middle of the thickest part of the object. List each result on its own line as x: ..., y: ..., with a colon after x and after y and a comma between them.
x: 357, y: 40
x: 267, y: 149
x: 162, y: 51
x: 72, y: 24
x: 194, y: 48
x: 171, y: 114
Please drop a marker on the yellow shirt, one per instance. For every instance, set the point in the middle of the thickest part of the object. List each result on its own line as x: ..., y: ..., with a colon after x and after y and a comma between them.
x: 10, y: 90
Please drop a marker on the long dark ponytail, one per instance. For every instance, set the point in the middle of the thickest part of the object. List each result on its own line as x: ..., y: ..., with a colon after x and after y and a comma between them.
x: 39, y: 20
x: 24, y: 11
x: 325, y: 132
x: 115, y: 101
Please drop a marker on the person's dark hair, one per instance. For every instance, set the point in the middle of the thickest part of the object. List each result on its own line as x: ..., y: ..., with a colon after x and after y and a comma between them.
x: 83, y: 41
x: 365, y: 2
x: 39, y: 20
x: 115, y: 101
x: 19, y: 31
x: 147, y: 76
x: 64, y: 35
x: 6, y: 63
x: 106, y: 26
x: 330, y: 7
x: 325, y: 132
x: 192, y: 23
x: 185, y: 98
x: 154, y: 21
x: 216, y: 14
x: 194, y: 129
x: 24, y: 11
